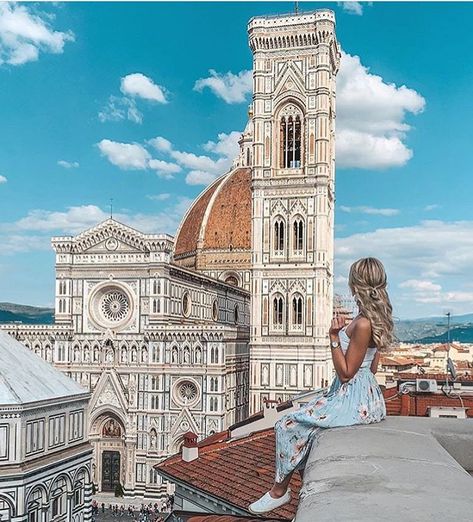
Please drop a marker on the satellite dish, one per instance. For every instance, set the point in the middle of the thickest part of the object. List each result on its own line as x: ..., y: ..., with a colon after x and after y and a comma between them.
x: 451, y: 368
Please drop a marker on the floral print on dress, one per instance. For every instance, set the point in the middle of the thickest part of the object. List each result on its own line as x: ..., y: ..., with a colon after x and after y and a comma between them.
x: 358, y: 401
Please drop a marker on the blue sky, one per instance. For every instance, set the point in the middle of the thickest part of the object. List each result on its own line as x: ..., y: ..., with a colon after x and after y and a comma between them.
x: 143, y: 103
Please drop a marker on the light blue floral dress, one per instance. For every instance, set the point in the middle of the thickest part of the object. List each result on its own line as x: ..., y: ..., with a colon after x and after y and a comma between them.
x: 358, y: 401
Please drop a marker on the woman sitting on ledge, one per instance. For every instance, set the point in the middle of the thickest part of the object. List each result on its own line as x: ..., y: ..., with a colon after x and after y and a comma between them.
x: 354, y: 396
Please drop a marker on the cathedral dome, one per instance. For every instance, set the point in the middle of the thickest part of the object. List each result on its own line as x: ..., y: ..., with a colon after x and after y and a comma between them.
x: 215, y: 233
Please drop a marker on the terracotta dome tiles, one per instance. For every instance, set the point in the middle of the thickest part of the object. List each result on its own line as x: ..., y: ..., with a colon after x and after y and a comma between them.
x: 188, y: 235
x: 226, y: 224
x: 229, y: 222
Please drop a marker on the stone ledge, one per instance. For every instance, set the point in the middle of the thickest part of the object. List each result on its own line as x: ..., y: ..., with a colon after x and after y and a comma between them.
x: 400, y: 469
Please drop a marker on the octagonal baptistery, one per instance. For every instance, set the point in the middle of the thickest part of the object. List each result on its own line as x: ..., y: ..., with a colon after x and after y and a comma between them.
x: 215, y: 234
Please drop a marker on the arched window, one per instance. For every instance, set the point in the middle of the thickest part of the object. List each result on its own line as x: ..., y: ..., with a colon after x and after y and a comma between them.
x: 290, y: 138
x: 214, y: 355
x: 279, y: 235
x: 278, y: 311
x: 297, y: 310
x: 298, y: 235
x: 58, y: 497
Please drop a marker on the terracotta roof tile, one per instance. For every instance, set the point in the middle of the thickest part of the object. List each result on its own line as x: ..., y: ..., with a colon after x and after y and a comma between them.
x: 237, y: 471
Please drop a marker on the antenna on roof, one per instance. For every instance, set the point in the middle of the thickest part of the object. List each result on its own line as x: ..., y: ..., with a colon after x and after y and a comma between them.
x: 111, y: 208
x: 296, y: 7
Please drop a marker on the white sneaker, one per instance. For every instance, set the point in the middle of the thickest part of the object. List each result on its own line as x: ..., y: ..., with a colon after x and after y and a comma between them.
x: 268, y: 503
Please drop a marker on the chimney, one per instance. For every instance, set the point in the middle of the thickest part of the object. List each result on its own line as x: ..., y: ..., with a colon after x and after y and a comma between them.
x: 190, y: 450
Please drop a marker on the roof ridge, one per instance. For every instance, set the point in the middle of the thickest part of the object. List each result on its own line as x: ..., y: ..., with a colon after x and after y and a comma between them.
x: 256, y: 435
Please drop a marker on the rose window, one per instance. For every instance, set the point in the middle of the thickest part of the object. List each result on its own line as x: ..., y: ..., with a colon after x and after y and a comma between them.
x: 115, y: 306
x: 187, y: 392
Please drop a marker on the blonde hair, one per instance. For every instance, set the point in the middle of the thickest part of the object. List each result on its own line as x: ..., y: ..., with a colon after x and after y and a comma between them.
x: 368, y: 281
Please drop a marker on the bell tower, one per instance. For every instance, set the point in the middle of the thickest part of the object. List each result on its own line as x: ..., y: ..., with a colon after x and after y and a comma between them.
x: 295, y: 62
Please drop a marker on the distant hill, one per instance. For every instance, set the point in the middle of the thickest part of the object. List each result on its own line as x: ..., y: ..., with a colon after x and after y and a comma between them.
x: 461, y: 334
x: 434, y: 329
x: 15, y: 313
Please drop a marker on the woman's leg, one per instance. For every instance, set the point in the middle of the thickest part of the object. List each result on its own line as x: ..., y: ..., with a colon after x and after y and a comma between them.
x: 280, y: 488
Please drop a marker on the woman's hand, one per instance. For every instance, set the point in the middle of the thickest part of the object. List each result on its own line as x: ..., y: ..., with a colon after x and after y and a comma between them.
x: 337, y: 324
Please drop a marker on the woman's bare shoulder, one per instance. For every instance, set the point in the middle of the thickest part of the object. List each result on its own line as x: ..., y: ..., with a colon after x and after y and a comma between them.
x: 361, y: 325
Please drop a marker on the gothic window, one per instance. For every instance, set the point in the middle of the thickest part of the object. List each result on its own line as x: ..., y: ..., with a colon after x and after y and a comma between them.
x: 214, y: 355
x: 290, y: 136
x: 278, y: 311
x: 155, y: 287
x: 279, y: 235
x: 155, y: 306
x: 144, y: 355
x: 297, y: 310
x: 298, y: 235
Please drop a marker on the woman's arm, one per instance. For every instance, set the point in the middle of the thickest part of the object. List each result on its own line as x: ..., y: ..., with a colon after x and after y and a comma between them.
x: 374, y: 363
x: 347, y: 365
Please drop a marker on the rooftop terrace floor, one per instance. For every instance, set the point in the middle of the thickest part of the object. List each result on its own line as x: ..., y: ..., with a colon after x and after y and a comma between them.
x: 404, y: 468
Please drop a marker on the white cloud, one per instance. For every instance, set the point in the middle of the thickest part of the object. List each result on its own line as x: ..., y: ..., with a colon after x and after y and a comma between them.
x: 226, y: 146
x: 161, y: 144
x: 25, y: 32
x: 421, y: 286
x: 199, y: 177
x: 33, y: 231
x: 201, y: 169
x: 354, y: 8
x: 164, y: 169
x: 232, y: 88
x: 429, y: 262
x: 139, y: 85
x: 120, y: 108
x: 74, y: 220
x: 371, y: 210
x: 204, y: 169
x: 68, y: 164
x: 434, y: 206
x: 125, y: 155
x: 3, y: 179
x: 371, y: 126
x: 159, y: 197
